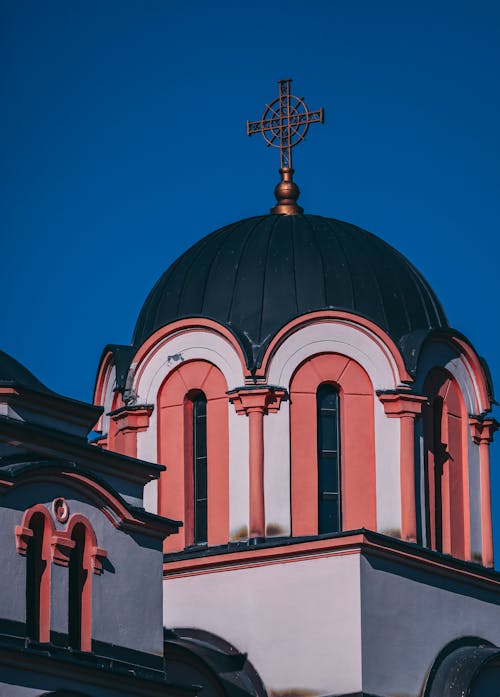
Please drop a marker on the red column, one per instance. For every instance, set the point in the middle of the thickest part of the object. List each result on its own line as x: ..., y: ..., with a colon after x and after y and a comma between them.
x: 129, y: 420
x: 406, y: 407
x: 255, y: 403
x: 482, y: 434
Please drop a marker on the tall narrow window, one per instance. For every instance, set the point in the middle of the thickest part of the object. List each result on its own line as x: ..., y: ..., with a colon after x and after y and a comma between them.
x: 35, y: 570
x: 78, y: 578
x: 200, y: 467
x: 328, y: 420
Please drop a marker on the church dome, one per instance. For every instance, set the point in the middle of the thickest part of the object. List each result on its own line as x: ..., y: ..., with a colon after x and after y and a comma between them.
x: 255, y: 275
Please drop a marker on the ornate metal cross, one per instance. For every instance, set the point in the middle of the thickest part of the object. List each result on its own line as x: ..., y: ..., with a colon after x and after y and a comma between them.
x: 285, y: 122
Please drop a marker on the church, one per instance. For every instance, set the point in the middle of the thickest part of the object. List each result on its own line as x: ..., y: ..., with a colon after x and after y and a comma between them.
x: 289, y: 492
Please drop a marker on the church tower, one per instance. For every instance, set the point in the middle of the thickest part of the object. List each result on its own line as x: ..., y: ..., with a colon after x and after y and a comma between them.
x: 325, y: 434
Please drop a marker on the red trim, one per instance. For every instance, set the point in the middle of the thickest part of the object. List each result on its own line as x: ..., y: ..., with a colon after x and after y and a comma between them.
x: 173, y: 422
x: 111, y: 507
x: 61, y: 547
x: 342, y: 317
x: 255, y: 403
x: 357, y: 422
x: 406, y: 407
x: 312, y: 549
x: 105, y: 366
x: 129, y: 421
x: 21, y: 541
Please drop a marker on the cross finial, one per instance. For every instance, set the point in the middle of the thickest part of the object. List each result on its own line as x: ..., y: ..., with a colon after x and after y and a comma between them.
x: 283, y: 125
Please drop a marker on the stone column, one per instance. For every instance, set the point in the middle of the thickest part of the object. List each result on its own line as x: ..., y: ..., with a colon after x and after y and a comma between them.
x: 482, y: 430
x: 129, y: 420
x: 406, y: 406
x: 255, y: 402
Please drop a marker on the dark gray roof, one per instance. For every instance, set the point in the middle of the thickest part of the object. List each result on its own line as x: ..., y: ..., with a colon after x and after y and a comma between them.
x: 14, y: 373
x: 255, y: 275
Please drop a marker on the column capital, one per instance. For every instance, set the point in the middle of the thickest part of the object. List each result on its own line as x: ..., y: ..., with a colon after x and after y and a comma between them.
x: 401, y: 404
x: 133, y: 417
x: 482, y: 429
x: 262, y: 398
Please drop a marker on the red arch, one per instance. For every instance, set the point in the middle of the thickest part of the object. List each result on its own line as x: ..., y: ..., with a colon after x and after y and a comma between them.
x: 357, y: 425
x: 175, y: 451
x: 24, y: 534
x: 89, y: 553
x: 447, y: 504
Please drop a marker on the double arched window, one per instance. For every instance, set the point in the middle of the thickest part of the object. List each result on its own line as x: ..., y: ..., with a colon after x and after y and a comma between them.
x: 328, y: 460
x: 74, y: 547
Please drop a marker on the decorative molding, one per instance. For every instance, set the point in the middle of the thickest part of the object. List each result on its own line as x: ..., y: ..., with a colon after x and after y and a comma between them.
x: 60, y: 509
x: 401, y: 404
x: 132, y: 417
x: 97, y: 556
x: 60, y: 548
x: 264, y: 398
x: 482, y: 429
x: 23, y: 536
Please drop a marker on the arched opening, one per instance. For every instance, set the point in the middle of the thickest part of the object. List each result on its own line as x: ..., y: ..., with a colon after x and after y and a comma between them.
x: 445, y: 462
x: 80, y: 588
x: 332, y: 406
x: 193, y: 404
x: 37, y: 581
x: 328, y: 459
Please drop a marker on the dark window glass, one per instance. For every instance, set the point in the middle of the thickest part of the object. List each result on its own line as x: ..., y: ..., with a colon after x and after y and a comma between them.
x: 77, y: 576
x: 35, y: 567
x: 440, y: 457
x: 200, y: 468
x: 329, y: 505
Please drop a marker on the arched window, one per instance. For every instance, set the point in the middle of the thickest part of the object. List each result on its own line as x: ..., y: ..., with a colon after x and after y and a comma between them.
x: 193, y: 404
x: 332, y: 409
x: 328, y: 434
x: 80, y: 584
x: 33, y: 541
x: 199, y: 491
x: 36, y: 571
x: 446, y: 485
x: 77, y: 579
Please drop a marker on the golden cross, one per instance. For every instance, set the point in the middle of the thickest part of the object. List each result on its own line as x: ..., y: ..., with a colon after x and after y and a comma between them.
x: 285, y: 122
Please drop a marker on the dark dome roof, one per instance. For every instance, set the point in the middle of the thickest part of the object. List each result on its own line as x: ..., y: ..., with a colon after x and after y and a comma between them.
x: 255, y: 275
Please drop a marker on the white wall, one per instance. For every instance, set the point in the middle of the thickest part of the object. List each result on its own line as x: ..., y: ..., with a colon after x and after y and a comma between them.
x: 299, y: 622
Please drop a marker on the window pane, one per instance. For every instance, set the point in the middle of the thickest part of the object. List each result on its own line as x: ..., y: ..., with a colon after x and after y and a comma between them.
x: 200, y: 468
x: 328, y: 457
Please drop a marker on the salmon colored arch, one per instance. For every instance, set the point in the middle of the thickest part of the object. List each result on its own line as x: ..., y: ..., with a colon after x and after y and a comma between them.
x: 175, y: 451
x: 446, y: 426
x: 329, y: 315
x: 478, y: 371
x: 23, y: 536
x: 182, y: 326
x: 357, y: 428
x: 105, y: 365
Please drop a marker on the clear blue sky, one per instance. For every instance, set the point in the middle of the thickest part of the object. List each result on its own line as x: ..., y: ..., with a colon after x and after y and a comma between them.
x: 123, y: 142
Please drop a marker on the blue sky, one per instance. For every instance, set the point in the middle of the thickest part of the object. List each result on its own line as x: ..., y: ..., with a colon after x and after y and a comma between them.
x: 123, y: 142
